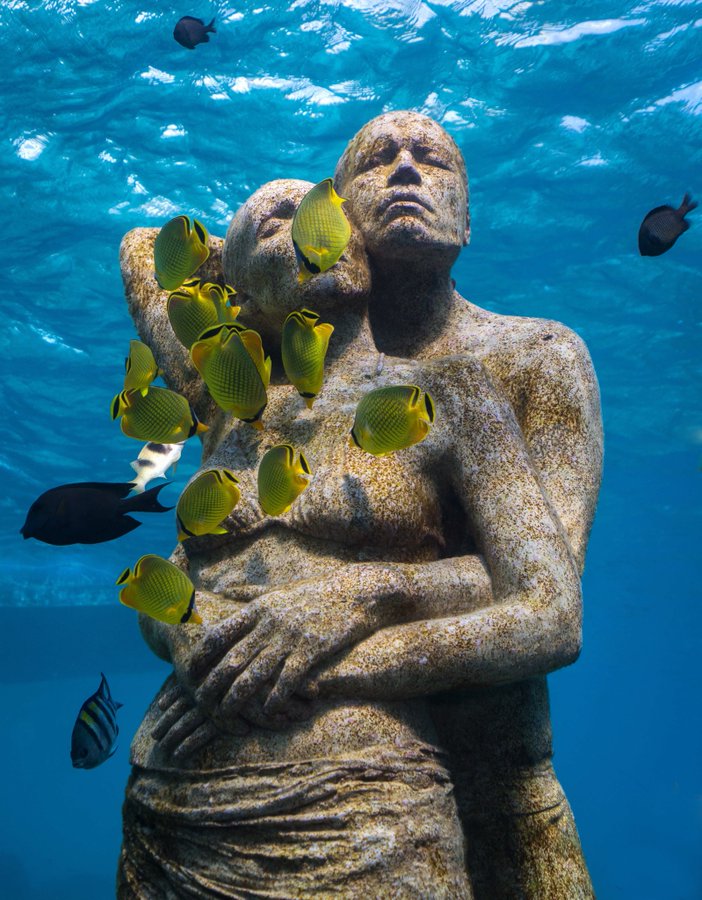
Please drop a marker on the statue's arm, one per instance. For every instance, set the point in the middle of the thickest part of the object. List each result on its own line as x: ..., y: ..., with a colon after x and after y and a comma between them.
x: 559, y: 412
x: 533, y: 625
x: 147, y: 304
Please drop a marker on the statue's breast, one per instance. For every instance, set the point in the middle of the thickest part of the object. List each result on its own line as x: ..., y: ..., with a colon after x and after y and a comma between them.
x: 361, y: 499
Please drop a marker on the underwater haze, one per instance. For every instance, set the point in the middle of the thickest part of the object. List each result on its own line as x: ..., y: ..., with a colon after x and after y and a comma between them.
x: 575, y: 120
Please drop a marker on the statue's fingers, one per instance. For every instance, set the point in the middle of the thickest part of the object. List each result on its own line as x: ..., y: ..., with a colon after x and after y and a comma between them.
x: 252, y: 679
x: 220, y: 679
x: 181, y: 729
x: 219, y: 641
x: 172, y: 713
x: 199, y: 738
x: 252, y: 711
x: 170, y: 696
x: 291, y: 677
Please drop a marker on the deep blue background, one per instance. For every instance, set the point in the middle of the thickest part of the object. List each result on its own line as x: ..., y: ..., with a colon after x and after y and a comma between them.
x: 572, y: 131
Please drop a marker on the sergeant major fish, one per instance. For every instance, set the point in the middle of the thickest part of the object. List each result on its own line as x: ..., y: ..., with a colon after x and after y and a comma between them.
x: 95, y: 731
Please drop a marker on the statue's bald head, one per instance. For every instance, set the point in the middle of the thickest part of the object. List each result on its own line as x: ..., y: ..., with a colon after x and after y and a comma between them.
x: 406, y: 182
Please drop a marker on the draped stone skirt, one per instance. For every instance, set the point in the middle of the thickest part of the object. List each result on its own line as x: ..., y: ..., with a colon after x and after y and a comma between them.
x: 379, y: 824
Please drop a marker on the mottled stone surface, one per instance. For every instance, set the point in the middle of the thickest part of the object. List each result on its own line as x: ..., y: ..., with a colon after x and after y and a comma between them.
x: 449, y: 570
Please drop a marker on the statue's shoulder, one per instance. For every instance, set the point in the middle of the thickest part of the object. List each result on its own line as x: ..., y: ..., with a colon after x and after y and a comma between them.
x: 524, y: 343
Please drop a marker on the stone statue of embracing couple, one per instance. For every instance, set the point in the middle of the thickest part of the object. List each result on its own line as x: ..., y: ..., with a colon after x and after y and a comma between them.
x: 364, y: 712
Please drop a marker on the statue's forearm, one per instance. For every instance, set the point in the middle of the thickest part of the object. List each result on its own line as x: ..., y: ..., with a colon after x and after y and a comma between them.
x: 497, y: 644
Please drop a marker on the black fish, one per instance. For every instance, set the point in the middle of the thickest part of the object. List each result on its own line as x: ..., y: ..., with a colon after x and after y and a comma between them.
x: 88, y: 513
x: 96, y: 730
x: 190, y: 32
x: 662, y: 227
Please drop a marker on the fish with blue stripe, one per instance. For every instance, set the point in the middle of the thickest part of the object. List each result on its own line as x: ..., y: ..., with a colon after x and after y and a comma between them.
x: 95, y: 732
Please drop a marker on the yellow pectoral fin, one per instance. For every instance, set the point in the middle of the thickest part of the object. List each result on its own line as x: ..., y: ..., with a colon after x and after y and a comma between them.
x: 315, y: 255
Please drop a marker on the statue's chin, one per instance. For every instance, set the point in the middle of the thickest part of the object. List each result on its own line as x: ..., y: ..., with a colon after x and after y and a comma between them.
x: 410, y: 239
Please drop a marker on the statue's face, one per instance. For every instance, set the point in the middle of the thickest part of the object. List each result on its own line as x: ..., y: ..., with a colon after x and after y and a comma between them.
x: 266, y: 260
x: 404, y: 179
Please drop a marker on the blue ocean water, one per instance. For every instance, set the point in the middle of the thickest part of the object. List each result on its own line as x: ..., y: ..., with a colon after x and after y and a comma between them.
x: 574, y: 123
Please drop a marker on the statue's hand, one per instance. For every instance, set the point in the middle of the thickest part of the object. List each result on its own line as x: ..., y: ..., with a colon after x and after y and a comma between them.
x: 278, y: 639
x: 183, y: 728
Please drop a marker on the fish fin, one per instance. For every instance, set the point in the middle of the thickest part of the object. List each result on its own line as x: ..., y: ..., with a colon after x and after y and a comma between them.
x: 200, y: 352
x: 258, y: 425
x: 219, y: 530
x: 146, y: 501
x: 211, y: 27
x: 182, y: 536
x: 429, y: 407
x: 201, y: 428
x: 315, y: 255
x: 303, y: 276
x: 195, y: 618
x: 117, y: 704
x: 124, y: 576
x: 252, y: 342
x: 115, y: 406
x: 325, y: 330
x: 144, y: 391
x: 687, y: 204
x: 127, y: 601
x: 309, y: 401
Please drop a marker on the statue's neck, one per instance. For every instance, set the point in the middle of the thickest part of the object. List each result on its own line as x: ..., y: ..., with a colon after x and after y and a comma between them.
x: 352, y: 336
x: 412, y: 306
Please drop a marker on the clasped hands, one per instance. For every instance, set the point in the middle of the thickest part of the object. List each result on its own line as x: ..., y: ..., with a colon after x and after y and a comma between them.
x: 247, y: 669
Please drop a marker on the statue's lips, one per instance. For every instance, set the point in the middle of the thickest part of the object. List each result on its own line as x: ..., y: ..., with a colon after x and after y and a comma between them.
x: 404, y: 203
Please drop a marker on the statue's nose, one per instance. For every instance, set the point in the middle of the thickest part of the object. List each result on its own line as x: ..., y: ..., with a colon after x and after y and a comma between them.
x: 405, y: 171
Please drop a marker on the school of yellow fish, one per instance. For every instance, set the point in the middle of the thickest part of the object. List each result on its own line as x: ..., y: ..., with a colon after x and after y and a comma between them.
x: 231, y: 360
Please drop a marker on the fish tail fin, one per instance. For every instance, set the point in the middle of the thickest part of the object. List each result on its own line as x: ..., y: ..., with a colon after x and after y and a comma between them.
x: 211, y: 27
x: 687, y: 204
x: 147, y: 501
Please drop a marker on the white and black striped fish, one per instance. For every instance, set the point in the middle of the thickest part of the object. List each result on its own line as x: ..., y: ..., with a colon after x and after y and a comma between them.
x: 153, y: 462
x: 95, y: 732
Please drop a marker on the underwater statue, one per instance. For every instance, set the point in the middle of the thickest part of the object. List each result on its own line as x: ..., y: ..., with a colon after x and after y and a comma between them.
x: 404, y: 605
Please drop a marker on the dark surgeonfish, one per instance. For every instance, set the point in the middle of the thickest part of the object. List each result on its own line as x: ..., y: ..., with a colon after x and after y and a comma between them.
x: 662, y: 227
x: 95, y: 732
x: 88, y: 513
x: 190, y: 32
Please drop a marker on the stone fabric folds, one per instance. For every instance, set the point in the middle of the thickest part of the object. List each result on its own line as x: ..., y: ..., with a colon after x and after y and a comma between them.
x: 378, y: 824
